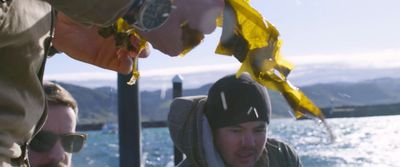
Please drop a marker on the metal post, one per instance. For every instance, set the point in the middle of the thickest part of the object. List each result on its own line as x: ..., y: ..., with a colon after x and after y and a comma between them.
x: 177, y: 86
x: 177, y: 92
x: 130, y: 149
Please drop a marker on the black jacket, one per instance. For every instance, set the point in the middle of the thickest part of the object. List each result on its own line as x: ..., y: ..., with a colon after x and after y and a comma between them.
x: 281, y: 154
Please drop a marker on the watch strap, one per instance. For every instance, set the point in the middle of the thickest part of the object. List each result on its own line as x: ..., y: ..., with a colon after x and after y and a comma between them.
x: 130, y: 16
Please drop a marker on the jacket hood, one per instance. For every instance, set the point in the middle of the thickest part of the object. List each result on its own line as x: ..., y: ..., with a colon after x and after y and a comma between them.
x: 192, y: 135
x: 185, y: 127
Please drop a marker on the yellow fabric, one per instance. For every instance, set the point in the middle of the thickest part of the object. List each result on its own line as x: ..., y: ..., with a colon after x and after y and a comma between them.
x: 263, y: 60
x: 190, y: 38
x: 122, y: 26
x: 135, y: 73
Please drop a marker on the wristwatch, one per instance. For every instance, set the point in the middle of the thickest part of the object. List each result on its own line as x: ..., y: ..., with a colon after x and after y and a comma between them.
x: 148, y: 15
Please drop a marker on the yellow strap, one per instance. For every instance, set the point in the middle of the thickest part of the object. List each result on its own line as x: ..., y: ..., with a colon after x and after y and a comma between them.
x: 124, y: 27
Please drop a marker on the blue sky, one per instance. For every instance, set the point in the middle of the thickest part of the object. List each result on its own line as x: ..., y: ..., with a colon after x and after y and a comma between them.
x: 334, y: 36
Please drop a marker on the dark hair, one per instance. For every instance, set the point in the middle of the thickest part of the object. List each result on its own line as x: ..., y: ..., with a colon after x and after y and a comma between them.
x: 55, y: 94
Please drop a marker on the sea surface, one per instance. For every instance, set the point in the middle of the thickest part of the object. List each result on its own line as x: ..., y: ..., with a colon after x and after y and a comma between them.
x: 360, y: 142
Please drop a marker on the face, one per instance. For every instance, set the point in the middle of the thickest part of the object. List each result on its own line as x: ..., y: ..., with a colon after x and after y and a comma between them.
x: 200, y: 15
x: 241, y: 145
x: 61, y: 120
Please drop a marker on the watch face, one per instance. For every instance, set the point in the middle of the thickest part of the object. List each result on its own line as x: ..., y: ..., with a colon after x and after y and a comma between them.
x: 154, y: 13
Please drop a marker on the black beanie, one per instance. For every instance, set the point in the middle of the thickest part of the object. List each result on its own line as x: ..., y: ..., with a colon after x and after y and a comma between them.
x: 234, y: 101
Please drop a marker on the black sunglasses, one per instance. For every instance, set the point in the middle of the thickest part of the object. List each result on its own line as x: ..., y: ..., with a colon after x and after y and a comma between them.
x: 44, y: 141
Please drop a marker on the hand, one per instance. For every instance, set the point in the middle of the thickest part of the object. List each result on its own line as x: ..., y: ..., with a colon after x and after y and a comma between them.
x: 85, y: 44
x: 201, y: 15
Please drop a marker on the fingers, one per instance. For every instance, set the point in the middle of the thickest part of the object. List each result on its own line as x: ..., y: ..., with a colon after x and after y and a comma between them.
x: 124, y: 52
x: 125, y: 64
x: 121, y: 52
x: 124, y: 60
x: 136, y: 42
x: 145, y: 52
x: 113, y: 58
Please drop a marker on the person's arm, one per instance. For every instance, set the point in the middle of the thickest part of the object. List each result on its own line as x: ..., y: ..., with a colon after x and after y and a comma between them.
x: 101, y: 13
x: 82, y: 43
x: 85, y: 44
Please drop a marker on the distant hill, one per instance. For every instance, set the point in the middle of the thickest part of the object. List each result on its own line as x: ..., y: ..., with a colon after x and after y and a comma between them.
x: 100, y: 104
x: 95, y: 105
x: 370, y: 92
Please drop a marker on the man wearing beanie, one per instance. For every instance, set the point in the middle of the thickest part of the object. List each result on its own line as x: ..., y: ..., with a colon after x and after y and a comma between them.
x: 228, y: 128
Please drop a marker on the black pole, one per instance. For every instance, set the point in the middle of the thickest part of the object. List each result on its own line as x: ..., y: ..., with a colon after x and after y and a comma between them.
x: 130, y: 149
x: 177, y: 92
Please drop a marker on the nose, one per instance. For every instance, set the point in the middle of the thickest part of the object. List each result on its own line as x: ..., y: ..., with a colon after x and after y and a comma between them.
x: 57, y: 153
x: 248, y: 140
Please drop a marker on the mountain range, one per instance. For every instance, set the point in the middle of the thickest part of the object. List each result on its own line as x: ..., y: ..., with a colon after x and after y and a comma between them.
x: 97, y: 105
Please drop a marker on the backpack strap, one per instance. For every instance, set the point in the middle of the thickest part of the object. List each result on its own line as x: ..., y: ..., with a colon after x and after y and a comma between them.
x: 49, y: 50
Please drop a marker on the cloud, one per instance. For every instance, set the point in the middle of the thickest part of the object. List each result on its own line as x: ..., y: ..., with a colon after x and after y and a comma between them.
x: 309, y: 69
x: 191, y: 70
x: 161, y: 73
x: 193, y: 76
x: 385, y: 59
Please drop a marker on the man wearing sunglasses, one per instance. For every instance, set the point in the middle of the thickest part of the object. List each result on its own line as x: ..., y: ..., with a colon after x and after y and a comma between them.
x: 55, y: 142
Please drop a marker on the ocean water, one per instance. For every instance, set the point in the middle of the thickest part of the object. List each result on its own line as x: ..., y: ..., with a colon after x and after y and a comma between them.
x: 360, y: 142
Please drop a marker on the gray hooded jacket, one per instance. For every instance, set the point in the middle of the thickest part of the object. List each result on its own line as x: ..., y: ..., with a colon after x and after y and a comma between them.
x: 24, y: 24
